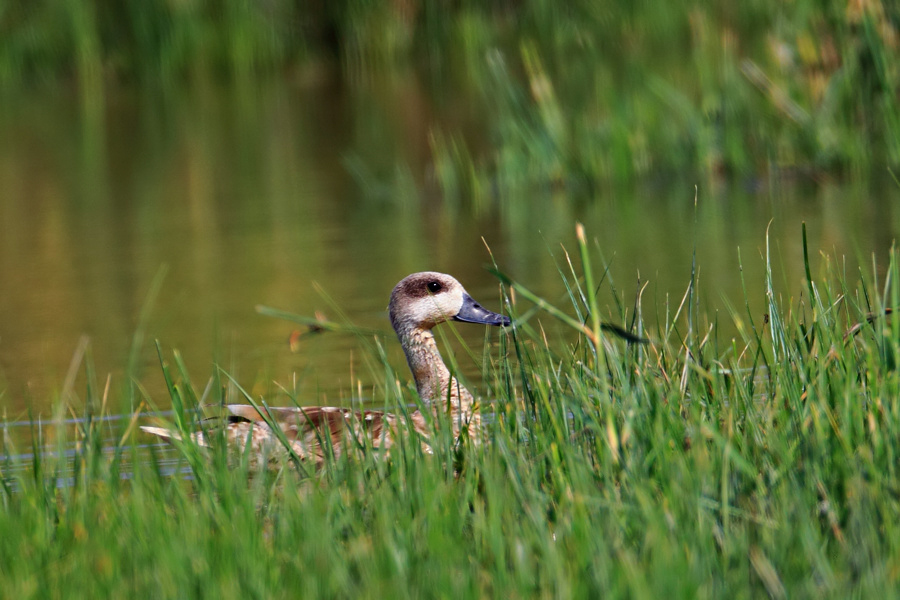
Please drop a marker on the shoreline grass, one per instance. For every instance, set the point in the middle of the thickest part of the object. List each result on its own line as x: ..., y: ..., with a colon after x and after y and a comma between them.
x: 692, y: 467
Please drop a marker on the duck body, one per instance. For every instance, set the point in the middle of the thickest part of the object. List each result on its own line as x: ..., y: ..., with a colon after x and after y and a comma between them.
x: 418, y: 303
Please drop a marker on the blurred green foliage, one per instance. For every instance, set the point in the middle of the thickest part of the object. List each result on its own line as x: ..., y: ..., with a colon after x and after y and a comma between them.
x: 575, y: 92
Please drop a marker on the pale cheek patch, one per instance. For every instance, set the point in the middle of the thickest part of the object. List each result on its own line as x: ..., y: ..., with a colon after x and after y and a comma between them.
x: 440, y: 307
x: 451, y: 302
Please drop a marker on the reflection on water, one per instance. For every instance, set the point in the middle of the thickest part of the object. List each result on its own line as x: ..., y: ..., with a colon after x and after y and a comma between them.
x: 249, y: 194
x: 54, y: 442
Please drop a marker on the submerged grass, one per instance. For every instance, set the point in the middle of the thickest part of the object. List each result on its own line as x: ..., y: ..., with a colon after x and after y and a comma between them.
x: 688, y: 467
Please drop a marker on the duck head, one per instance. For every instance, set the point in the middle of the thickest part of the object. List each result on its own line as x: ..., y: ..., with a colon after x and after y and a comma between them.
x: 423, y: 300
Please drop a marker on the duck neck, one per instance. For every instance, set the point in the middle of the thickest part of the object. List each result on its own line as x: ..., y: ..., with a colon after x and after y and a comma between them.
x: 436, y: 386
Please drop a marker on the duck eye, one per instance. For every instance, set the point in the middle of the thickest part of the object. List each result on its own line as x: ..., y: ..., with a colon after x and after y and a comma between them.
x: 434, y: 287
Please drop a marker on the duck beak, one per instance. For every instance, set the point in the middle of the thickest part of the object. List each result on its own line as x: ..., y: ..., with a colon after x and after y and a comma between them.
x: 472, y: 312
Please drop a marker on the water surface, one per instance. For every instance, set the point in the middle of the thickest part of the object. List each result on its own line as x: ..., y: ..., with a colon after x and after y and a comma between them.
x: 245, y: 195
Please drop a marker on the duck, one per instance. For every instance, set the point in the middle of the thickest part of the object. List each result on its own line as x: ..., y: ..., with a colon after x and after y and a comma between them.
x: 418, y: 303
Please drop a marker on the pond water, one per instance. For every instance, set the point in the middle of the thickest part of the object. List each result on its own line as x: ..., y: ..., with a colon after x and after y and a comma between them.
x: 240, y: 195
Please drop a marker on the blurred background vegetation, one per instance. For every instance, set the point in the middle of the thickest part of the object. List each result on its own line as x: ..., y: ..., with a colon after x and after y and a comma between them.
x: 570, y: 93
